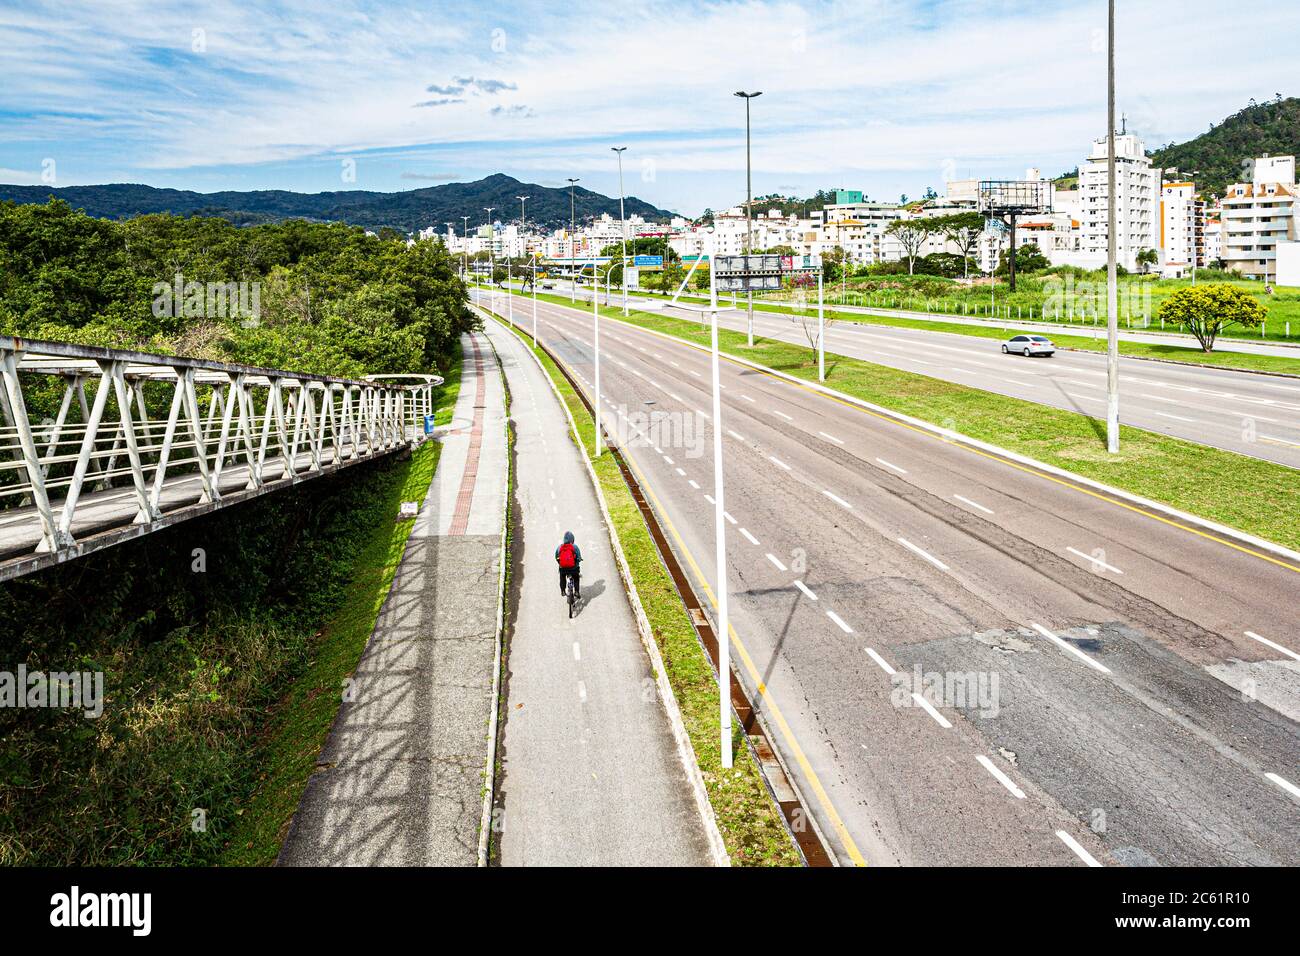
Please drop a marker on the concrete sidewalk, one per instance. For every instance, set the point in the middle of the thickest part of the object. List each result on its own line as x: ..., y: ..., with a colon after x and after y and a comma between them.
x: 400, y: 779
x: 591, y: 773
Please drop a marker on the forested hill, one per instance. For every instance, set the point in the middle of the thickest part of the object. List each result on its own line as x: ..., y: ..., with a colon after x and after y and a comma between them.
x: 405, y: 211
x: 1214, y: 159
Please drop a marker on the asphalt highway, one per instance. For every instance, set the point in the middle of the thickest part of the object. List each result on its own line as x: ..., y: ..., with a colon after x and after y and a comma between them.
x: 967, y: 661
x: 1244, y: 412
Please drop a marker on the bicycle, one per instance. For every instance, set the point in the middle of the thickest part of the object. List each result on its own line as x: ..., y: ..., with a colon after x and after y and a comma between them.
x: 571, y: 592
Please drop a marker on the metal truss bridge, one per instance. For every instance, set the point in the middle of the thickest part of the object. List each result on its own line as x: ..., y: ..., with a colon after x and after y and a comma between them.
x: 98, y: 446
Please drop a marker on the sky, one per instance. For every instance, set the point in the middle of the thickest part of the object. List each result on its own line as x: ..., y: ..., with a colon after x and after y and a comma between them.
x: 886, y: 96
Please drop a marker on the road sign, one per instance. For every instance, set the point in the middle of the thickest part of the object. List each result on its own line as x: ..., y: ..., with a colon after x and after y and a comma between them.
x: 761, y: 273
x: 649, y: 262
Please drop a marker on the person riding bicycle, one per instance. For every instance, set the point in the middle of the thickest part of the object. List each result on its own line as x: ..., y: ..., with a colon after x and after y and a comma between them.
x: 569, y: 557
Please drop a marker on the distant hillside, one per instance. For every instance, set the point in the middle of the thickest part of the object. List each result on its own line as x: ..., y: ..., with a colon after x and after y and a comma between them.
x: 1214, y: 159
x: 405, y: 211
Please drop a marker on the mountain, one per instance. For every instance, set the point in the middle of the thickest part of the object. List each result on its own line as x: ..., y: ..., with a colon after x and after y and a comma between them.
x: 405, y: 211
x: 1214, y: 159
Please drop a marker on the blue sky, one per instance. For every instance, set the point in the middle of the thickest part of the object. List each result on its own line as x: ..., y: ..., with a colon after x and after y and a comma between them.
x: 889, y: 96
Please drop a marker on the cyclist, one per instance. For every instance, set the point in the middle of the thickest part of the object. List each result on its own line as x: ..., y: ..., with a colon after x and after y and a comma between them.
x: 569, y: 557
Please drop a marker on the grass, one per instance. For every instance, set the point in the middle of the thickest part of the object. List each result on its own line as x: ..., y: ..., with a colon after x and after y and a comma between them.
x: 1172, y: 353
x: 286, y: 755
x: 1255, y: 496
x: 750, y: 822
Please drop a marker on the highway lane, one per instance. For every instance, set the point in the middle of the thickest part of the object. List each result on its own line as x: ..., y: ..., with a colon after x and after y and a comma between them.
x: 1119, y: 720
x: 1251, y: 414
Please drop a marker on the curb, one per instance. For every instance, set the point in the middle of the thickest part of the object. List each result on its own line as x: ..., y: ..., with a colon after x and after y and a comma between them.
x: 685, y: 752
x: 485, y: 818
x: 1279, y: 550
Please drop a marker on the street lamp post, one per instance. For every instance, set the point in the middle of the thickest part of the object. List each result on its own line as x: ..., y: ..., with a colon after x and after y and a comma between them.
x: 1112, y: 281
x: 622, y: 215
x: 492, y: 262
x: 720, y: 527
x: 595, y: 334
x: 749, y: 201
x: 465, y: 244
x: 534, y: 299
x: 573, y: 279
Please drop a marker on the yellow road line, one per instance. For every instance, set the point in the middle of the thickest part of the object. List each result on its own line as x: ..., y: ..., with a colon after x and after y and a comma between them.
x: 769, y: 704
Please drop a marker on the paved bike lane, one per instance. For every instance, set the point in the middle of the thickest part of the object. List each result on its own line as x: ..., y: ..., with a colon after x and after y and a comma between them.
x: 591, y: 773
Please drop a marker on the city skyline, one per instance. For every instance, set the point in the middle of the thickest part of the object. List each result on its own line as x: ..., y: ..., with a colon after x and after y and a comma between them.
x: 891, y: 98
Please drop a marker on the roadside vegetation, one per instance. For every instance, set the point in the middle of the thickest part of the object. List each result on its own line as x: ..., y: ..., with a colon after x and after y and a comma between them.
x: 1255, y: 496
x: 750, y: 823
x: 223, y: 641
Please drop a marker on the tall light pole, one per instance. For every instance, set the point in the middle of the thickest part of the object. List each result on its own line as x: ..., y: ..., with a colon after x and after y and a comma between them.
x: 465, y: 244
x: 749, y: 199
x: 618, y: 150
x: 595, y: 334
x: 534, y: 298
x: 573, y: 257
x: 492, y: 262
x: 720, y: 526
x: 1112, y: 280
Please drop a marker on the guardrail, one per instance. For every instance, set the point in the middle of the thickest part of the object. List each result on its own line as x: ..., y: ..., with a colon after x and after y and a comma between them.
x: 157, y: 424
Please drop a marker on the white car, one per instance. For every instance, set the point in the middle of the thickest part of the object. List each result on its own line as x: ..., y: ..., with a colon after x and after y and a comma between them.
x: 1028, y: 345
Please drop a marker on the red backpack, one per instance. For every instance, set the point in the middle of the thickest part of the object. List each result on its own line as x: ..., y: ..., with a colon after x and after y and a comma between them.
x: 567, y: 557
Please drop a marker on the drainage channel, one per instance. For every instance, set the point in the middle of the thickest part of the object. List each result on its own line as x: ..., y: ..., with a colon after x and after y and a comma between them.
x: 798, y: 820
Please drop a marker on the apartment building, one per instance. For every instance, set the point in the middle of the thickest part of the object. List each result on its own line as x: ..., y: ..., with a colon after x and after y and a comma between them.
x: 1182, y: 229
x: 1259, y: 215
x: 1137, y: 194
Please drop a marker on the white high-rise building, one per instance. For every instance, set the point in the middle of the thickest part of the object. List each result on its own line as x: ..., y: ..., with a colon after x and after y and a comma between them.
x: 1137, y: 189
x: 1257, y: 216
x: 1182, y: 229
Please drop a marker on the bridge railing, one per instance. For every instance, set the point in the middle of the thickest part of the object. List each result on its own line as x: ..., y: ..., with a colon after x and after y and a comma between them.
x: 174, y: 431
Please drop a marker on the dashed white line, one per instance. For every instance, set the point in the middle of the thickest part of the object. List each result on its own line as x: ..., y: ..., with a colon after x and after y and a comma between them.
x: 735, y: 435
x: 669, y: 460
x: 880, y: 661
x: 783, y: 415
x: 929, y: 557
x: 746, y: 398
x: 973, y: 504
x: 1285, y: 784
x: 929, y: 709
x: 1069, y: 647
x: 779, y: 462
x: 1175, y: 417
x: 1078, y: 851
x: 804, y: 588
x: 1000, y: 777
x: 890, y: 464
x: 748, y: 536
x: 577, y: 651
x: 839, y: 621
x: 777, y: 561
x: 692, y: 483
x: 582, y: 691
x: 1277, y: 647
x: 837, y: 499
x: 681, y: 472
x: 1096, y: 562
x: 710, y: 499
x: 727, y: 515
x: 838, y: 441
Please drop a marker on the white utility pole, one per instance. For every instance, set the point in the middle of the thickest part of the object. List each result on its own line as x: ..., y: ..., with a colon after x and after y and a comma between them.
x: 821, y: 329
x: 749, y: 201
x: 534, y: 300
x: 465, y: 240
x: 573, y: 252
x: 720, y: 530
x: 492, y: 262
x: 623, y: 218
x: 595, y: 334
x: 1112, y: 280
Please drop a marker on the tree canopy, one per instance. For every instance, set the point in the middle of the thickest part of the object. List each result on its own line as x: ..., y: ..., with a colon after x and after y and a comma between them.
x: 1206, y: 310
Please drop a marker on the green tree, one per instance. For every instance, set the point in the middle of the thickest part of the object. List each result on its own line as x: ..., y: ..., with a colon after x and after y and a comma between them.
x: 911, y: 235
x: 1147, y: 258
x: 963, y: 230
x: 1206, y: 310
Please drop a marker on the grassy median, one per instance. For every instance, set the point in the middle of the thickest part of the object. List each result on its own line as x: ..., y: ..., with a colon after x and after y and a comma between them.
x: 1082, y: 342
x: 749, y: 820
x: 1255, y: 496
